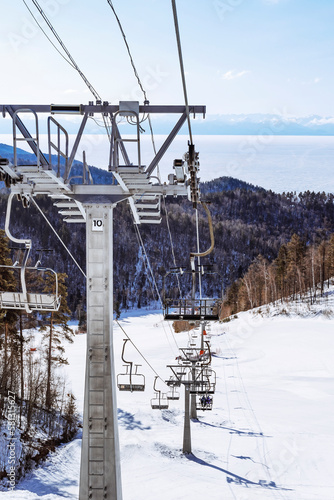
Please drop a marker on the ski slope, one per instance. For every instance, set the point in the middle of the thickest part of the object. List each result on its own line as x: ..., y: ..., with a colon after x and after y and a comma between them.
x: 271, y: 421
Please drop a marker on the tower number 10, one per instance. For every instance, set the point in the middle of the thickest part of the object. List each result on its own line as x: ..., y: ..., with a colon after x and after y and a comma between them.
x: 97, y: 224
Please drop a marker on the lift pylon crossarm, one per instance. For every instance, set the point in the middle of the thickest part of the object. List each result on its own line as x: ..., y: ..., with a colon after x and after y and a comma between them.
x: 102, y: 108
x: 143, y: 194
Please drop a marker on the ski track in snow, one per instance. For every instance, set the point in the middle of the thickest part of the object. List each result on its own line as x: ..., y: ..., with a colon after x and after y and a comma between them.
x: 271, y: 418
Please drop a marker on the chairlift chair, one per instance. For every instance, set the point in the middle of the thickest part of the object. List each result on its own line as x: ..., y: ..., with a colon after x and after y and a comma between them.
x: 160, y: 401
x: 204, y: 402
x: 203, y: 309
x: 210, y: 375
x: 131, y: 380
x: 173, y: 394
x: 190, y: 309
x: 24, y: 300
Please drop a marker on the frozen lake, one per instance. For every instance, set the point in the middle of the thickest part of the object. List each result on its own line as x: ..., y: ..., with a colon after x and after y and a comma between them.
x: 280, y: 163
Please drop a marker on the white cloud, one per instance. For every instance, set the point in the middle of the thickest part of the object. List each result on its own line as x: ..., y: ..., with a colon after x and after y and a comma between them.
x: 232, y: 74
x: 314, y: 81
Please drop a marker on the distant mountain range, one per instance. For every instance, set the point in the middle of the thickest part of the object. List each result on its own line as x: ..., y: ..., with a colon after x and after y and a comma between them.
x: 264, y: 124
x: 232, y: 124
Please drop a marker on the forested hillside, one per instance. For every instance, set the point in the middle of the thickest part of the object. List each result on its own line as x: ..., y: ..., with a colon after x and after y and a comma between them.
x: 248, y: 221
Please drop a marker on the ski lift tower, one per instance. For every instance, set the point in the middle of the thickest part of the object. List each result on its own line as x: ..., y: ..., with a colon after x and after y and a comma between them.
x: 93, y: 204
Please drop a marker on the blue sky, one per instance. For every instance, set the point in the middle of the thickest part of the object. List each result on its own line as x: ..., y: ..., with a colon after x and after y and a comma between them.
x: 241, y: 56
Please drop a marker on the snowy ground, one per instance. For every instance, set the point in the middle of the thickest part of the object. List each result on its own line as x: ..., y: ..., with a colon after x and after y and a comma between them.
x: 271, y: 421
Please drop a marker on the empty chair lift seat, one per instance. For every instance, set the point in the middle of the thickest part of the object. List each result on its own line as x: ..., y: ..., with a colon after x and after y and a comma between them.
x: 188, y: 309
x: 35, y: 301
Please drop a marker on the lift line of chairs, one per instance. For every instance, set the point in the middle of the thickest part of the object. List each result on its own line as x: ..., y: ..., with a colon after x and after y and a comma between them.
x: 201, y: 380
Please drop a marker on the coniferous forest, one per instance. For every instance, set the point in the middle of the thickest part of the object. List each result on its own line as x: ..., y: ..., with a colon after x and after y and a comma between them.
x: 268, y: 246
x: 248, y: 221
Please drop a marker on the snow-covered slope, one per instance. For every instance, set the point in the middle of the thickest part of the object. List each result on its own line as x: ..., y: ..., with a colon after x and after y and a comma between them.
x: 271, y: 421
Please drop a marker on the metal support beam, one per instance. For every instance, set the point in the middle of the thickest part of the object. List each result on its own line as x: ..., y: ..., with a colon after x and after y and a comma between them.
x: 166, y: 144
x: 100, y: 473
x: 193, y: 410
x: 75, y: 146
x: 25, y: 132
x: 105, y: 109
x: 186, y: 430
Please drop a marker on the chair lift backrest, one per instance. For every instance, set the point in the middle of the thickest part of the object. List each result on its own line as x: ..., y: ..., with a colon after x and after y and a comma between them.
x: 160, y: 401
x: 22, y: 300
x: 173, y: 394
x: 27, y: 248
x: 130, y: 386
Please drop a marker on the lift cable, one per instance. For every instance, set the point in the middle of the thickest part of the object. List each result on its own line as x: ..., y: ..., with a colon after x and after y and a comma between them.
x: 171, y: 330
x: 46, y: 35
x: 128, y: 48
x: 148, y: 266
x: 141, y: 354
x: 59, y: 238
x: 71, y: 60
x: 154, y: 149
x: 152, y: 134
x: 172, y: 245
x: 148, y: 263
x: 146, y: 101
x: 59, y: 40
x: 178, y: 39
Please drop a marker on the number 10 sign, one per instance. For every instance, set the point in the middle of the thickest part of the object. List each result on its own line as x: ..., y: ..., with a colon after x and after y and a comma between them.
x: 97, y: 224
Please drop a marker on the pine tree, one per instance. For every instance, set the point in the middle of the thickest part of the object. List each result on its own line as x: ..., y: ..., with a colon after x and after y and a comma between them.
x: 55, y: 336
x: 281, y: 269
x: 71, y: 418
x: 296, y: 250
